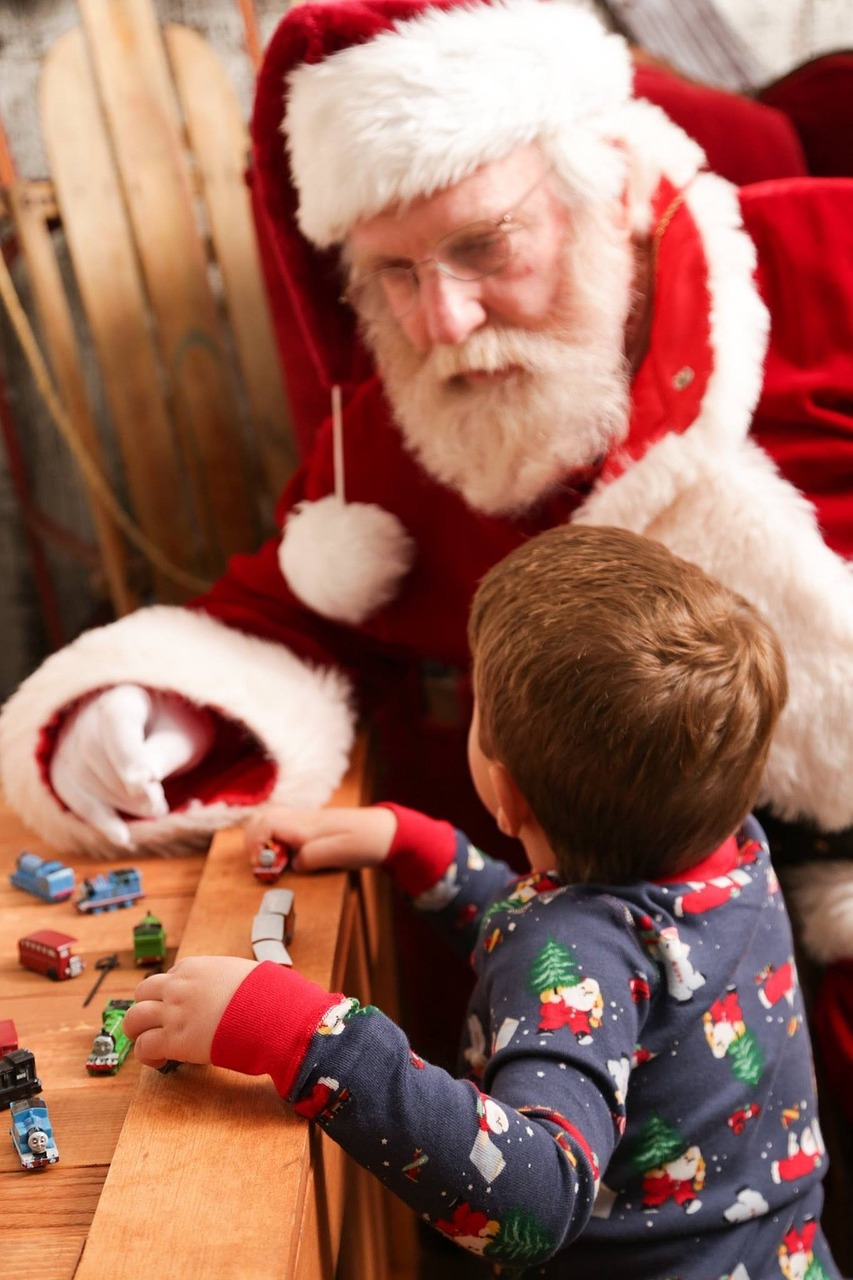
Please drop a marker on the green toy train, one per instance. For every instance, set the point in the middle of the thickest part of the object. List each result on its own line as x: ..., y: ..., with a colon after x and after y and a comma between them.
x: 110, y: 1046
x: 149, y: 941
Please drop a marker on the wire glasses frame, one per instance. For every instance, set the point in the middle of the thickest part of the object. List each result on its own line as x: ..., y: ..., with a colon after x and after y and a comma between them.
x: 472, y: 252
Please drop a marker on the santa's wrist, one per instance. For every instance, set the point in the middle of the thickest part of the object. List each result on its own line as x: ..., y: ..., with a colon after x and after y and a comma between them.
x: 422, y: 850
x: 269, y: 1024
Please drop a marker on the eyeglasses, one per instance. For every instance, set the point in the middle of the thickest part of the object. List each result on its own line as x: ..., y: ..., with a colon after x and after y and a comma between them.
x: 470, y: 253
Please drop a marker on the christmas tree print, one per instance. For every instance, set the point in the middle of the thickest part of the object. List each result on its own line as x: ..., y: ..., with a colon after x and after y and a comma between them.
x: 505, y: 904
x: 657, y: 1143
x: 747, y: 1058
x: 520, y: 1239
x: 816, y: 1271
x: 555, y: 966
x: 525, y: 891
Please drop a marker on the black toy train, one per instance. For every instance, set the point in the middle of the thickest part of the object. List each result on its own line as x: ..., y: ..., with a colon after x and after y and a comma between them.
x: 18, y: 1077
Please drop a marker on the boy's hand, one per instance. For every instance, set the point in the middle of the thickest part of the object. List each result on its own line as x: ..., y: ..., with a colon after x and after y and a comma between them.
x: 324, y: 838
x: 176, y: 1013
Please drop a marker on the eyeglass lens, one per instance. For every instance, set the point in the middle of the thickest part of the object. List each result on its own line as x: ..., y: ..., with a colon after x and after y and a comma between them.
x: 471, y: 253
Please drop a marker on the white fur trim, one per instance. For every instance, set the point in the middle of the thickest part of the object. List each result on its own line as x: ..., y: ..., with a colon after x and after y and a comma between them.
x: 344, y: 560
x: 726, y: 508
x: 657, y: 147
x: 417, y: 109
x: 821, y: 898
x: 739, y: 320
x: 300, y: 714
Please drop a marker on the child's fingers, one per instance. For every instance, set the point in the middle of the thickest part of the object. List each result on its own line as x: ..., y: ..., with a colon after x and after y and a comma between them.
x: 142, y: 1016
x: 146, y: 1048
x: 292, y: 826
x: 150, y: 988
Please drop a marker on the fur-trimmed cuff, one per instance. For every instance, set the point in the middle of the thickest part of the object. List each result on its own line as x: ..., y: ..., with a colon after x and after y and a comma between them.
x: 820, y: 895
x: 299, y: 715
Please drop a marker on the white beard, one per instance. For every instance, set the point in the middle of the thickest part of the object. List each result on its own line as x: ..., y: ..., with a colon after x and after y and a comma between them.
x: 504, y: 446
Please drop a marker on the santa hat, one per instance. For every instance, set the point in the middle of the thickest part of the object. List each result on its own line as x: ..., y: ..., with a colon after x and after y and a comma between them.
x: 391, y: 100
x: 416, y: 106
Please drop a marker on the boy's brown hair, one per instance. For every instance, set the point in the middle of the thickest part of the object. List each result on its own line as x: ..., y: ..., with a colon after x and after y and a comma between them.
x: 631, y: 696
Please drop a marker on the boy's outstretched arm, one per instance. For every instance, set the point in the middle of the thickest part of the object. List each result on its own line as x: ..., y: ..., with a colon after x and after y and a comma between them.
x: 324, y: 838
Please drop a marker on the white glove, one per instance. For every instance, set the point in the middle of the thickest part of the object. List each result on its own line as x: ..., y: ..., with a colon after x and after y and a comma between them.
x: 115, y: 750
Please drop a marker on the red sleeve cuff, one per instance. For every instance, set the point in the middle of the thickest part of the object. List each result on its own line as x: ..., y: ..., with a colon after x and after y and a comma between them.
x: 269, y: 1024
x: 422, y: 851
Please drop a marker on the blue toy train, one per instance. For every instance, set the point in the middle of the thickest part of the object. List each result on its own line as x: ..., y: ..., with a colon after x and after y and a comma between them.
x: 32, y: 1133
x: 50, y: 880
x: 120, y: 888
x: 31, y: 1130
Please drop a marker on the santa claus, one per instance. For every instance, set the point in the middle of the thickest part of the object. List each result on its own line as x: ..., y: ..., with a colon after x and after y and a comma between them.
x: 562, y: 315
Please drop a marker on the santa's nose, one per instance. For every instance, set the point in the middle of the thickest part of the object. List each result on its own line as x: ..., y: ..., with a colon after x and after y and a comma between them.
x: 447, y: 311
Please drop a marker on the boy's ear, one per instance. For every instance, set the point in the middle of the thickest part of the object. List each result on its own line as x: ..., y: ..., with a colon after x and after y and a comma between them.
x: 513, y: 810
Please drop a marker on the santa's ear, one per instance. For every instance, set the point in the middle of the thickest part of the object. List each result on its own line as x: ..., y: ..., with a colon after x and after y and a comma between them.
x: 513, y: 810
x: 625, y: 212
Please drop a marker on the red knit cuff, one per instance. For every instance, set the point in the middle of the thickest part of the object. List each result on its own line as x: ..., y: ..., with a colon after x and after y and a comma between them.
x: 269, y: 1024
x: 422, y: 851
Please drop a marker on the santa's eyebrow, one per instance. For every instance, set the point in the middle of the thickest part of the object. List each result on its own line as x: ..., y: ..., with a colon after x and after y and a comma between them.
x: 379, y: 262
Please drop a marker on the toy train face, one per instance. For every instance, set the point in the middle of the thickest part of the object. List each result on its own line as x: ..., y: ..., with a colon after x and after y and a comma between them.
x: 110, y: 1046
x: 49, y: 952
x: 32, y: 1134
x: 271, y: 861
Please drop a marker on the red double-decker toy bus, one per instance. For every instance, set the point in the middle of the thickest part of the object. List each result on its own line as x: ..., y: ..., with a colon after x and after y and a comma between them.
x: 49, y: 952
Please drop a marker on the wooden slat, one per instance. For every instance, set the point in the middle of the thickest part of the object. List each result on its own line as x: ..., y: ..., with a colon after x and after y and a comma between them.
x: 57, y: 327
x: 107, y: 272
x: 202, y: 1138
x: 139, y: 106
x: 58, y: 1251
x: 220, y: 144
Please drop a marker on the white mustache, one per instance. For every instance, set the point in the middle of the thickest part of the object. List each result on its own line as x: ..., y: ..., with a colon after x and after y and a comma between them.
x: 493, y: 350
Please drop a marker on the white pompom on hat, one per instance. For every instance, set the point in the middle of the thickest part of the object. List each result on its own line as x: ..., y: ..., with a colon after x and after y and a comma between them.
x: 422, y: 106
x: 344, y: 560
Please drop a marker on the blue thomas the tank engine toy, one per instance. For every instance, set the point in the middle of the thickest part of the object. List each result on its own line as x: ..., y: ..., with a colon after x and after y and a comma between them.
x: 32, y: 1133
x: 120, y: 888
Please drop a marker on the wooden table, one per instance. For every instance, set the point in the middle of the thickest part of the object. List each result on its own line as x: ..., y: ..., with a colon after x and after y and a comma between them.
x: 202, y: 1173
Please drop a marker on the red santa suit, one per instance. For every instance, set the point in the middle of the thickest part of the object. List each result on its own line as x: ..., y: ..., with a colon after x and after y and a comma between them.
x: 726, y: 433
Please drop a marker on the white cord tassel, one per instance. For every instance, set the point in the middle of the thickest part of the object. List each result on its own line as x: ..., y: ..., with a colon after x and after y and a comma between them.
x: 344, y: 560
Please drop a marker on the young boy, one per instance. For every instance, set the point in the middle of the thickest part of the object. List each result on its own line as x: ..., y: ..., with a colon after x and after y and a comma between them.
x: 639, y: 1099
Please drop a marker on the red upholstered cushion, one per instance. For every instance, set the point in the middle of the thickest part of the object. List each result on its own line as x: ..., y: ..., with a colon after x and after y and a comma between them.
x: 745, y: 141
x: 818, y: 99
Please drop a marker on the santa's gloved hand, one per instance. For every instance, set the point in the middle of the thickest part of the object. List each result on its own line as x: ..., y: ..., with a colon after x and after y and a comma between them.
x: 114, y: 751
